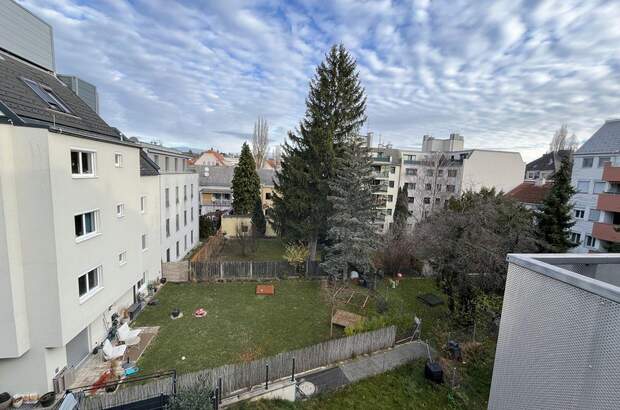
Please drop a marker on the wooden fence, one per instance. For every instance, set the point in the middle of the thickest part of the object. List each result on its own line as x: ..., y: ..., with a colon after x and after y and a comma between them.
x: 211, y: 248
x: 249, y: 270
x: 176, y: 271
x: 245, y: 375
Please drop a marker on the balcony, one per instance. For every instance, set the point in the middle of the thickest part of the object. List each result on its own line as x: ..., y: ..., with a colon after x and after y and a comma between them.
x: 381, y: 174
x: 381, y: 159
x: 606, y: 232
x: 379, y: 188
x: 611, y: 173
x: 609, y: 201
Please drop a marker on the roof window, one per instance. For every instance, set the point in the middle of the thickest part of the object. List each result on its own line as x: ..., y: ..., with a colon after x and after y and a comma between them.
x: 47, y: 95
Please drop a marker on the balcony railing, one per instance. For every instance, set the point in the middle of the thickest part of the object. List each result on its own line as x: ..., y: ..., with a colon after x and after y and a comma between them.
x: 381, y: 174
x: 381, y: 159
x: 611, y: 173
x: 606, y: 232
x: 379, y: 188
x: 609, y: 201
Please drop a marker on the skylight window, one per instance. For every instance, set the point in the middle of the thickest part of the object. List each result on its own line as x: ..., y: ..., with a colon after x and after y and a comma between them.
x: 47, y: 95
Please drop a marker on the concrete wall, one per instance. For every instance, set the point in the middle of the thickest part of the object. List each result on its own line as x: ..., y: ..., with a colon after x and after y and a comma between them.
x: 171, y: 181
x: 232, y: 223
x: 502, y: 170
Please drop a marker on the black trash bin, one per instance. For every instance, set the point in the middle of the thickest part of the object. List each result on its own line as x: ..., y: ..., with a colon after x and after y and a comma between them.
x: 433, y: 372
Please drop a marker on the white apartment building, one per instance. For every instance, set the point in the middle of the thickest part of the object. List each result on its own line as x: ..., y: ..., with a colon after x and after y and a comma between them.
x: 596, y: 178
x: 433, y: 176
x: 77, y: 238
x: 179, y: 201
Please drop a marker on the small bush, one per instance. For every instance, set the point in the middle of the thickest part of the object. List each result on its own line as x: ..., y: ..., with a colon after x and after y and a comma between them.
x: 197, y: 397
x: 382, y: 305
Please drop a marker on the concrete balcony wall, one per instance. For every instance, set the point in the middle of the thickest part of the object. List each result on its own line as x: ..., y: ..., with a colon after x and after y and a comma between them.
x: 608, y: 202
x: 605, y: 232
x: 611, y: 173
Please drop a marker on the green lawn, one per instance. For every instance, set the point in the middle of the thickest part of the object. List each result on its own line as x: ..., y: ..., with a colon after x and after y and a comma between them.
x: 239, y: 325
x: 402, y: 388
x: 266, y: 250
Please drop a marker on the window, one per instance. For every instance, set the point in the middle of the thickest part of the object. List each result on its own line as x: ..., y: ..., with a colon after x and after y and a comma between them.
x: 452, y: 173
x: 185, y: 192
x: 185, y: 242
x: 392, y: 170
x: 391, y: 184
x: 120, y: 210
x: 122, y: 258
x: 580, y: 213
x: 191, y: 191
x: 177, y: 221
x: 601, y: 164
x: 142, y: 204
x: 144, y: 242
x: 244, y: 228
x: 450, y: 188
x: 599, y: 187
x: 428, y: 187
x: 575, y: 237
x: 583, y: 187
x: 438, y: 188
x: 89, y: 282
x: 167, y: 192
x: 192, y: 214
x: 191, y: 236
x: 118, y: 160
x: 167, y: 227
x: 594, y: 215
x: 390, y: 198
x: 590, y: 241
x: 409, y: 157
x: 167, y: 163
x: 587, y: 162
x: 176, y: 194
x: 410, y: 199
x: 411, y: 171
x: 86, y: 224
x: 440, y: 172
x: 411, y: 186
x: 184, y: 218
x: 178, y: 253
x: 389, y: 212
x: 437, y: 201
x: 46, y: 94
x: 176, y: 164
x: 82, y: 163
x: 429, y: 172
x: 142, y: 281
x: 268, y: 196
x: 168, y: 255
x: 427, y: 200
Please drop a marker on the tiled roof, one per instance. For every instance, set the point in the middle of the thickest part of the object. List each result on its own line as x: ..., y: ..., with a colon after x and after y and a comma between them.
x: 147, y: 166
x: 22, y: 100
x: 604, y: 141
x: 529, y: 192
x: 222, y: 176
x: 548, y: 161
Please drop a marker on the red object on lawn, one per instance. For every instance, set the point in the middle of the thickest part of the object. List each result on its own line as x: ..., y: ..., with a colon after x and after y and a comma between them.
x: 101, y: 381
x: 200, y: 313
x: 265, y: 290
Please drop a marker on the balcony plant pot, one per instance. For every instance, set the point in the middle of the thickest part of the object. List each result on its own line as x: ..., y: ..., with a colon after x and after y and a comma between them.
x: 47, y: 399
x: 5, y: 400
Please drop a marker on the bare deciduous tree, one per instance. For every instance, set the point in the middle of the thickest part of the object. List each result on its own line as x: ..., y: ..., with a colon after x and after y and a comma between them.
x: 260, y: 142
x: 561, y: 141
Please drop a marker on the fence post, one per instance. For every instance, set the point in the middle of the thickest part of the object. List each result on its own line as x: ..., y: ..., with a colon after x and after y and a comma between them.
x: 251, y: 264
x: 293, y: 372
x: 221, y: 270
x: 219, y: 388
x: 266, y: 377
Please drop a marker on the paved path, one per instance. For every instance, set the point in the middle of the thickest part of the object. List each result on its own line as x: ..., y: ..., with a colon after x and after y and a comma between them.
x: 366, y: 366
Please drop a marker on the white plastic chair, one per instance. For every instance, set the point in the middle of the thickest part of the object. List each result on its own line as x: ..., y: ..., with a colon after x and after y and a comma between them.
x: 111, y: 352
x: 127, y: 335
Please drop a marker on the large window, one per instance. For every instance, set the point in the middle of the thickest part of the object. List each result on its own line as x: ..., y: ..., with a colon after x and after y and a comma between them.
x: 411, y: 171
x: 575, y: 238
x: 594, y: 215
x: 583, y: 187
x: 184, y: 218
x: 184, y: 192
x: 82, y: 163
x: 580, y: 213
x: 429, y: 172
x: 176, y: 193
x: 450, y: 188
x: 587, y: 162
x: 599, y: 187
x: 452, y: 173
x: 603, y: 160
x: 86, y: 224
x: 46, y: 94
x: 177, y: 221
x: 167, y: 196
x: 167, y: 227
x: 89, y: 282
x: 118, y: 160
x: 191, y: 193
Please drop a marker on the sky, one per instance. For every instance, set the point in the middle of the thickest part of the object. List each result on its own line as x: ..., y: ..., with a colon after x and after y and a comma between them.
x: 505, y: 74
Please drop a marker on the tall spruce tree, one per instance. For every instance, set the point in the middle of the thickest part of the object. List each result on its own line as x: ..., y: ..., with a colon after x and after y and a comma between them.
x: 335, y: 111
x: 245, y: 183
x: 352, y: 237
x: 555, y: 217
x: 258, y: 219
x: 401, y: 211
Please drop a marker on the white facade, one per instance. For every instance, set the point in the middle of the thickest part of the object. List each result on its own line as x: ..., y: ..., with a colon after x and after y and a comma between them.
x: 51, y: 316
x: 179, y: 202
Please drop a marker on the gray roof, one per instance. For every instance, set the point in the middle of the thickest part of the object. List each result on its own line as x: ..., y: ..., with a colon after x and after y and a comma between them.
x: 222, y: 176
x: 548, y: 161
x: 147, y: 166
x: 604, y: 141
x: 32, y: 110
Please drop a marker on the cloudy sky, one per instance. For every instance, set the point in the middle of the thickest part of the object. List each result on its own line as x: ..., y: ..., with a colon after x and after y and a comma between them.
x: 505, y: 74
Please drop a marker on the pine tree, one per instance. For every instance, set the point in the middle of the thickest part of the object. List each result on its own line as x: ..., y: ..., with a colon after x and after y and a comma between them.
x: 258, y: 219
x: 401, y: 211
x: 245, y: 183
x: 352, y: 236
x: 555, y: 217
x: 335, y: 111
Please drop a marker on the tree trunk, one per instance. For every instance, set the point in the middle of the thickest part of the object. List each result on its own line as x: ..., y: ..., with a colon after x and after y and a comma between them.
x: 312, y: 248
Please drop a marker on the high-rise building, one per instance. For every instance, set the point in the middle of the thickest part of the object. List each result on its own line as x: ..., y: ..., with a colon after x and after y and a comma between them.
x: 85, y: 90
